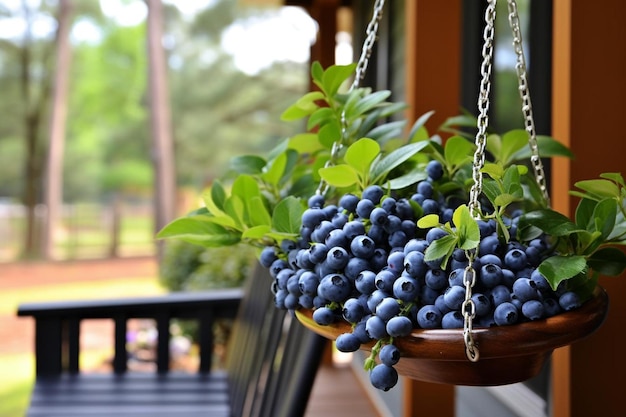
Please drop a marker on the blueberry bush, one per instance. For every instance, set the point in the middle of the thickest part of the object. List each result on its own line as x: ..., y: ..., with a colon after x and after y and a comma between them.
x: 361, y: 222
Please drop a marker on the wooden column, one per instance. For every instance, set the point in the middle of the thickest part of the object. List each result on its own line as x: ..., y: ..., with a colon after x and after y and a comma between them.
x: 588, y: 111
x: 433, y: 64
x: 433, y: 59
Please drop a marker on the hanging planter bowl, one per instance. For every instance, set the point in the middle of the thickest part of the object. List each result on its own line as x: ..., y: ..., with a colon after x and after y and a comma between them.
x: 508, y: 354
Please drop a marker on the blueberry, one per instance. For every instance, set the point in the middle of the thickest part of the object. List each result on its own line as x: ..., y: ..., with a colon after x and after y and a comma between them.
x: 428, y: 295
x: 399, y: 326
x: 419, y: 245
x: 277, y: 266
x: 385, y: 280
x: 353, y: 310
x: 316, y: 201
x: 490, y: 258
x: 337, y: 258
x: 434, y: 169
x: 360, y: 333
x: 429, y: 317
x: 387, y: 308
x: 321, y: 231
x: 551, y: 307
x: 456, y: 277
x: 525, y: 289
x: 377, y: 234
x: 414, y: 264
x: 540, y: 281
x: 324, y: 316
x: 569, y: 301
x: 482, y: 304
x: 306, y: 301
x: 353, y: 229
x: 339, y: 220
x: 406, y: 289
x: 436, y: 279
x: 441, y: 304
x: 349, y: 202
x: 373, y: 193
x: 394, y: 223
x: 425, y: 188
x: 362, y: 246
x: 430, y: 206
x: 434, y: 234
x: 505, y: 314
x: 404, y: 209
x: 454, y: 297
x: 376, y: 328
x: 354, y: 267
x: 397, y: 239
x: 308, y: 282
x: 389, y: 204
x: 335, y: 287
x: 267, y: 256
x: 515, y: 259
x: 452, y: 320
x: 389, y: 355
x: 486, y: 227
x: 312, y: 217
x: 379, y: 259
x: 499, y: 294
x: 375, y: 298
x: 365, y: 282
x: 533, y: 309
x: 279, y: 299
x: 379, y: 216
x: 395, y: 262
x: 293, y: 284
x: 292, y: 301
x: 489, y: 244
x: 337, y: 237
x: 282, y: 277
x: 418, y: 198
x: 533, y: 256
x: 490, y: 275
x: 347, y: 342
x: 383, y: 377
x: 364, y: 208
x: 317, y: 252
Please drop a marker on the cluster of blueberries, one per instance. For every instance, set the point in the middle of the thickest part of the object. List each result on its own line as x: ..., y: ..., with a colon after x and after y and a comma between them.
x: 362, y: 261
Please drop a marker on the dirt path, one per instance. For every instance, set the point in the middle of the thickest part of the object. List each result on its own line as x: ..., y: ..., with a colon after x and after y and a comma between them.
x: 22, y: 280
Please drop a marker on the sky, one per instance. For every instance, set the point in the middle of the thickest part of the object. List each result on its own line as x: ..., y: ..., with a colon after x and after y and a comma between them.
x: 254, y: 43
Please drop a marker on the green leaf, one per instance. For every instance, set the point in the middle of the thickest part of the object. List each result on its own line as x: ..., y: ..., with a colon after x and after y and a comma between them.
x: 604, y: 216
x: 441, y: 248
x: 247, y: 164
x: 387, y: 131
x: 334, y: 77
x: 320, y: 117
x: 407, y: 179
x: 615, y: 177
x: 305, y: 143
x: 199, y: 230
x: 257, y: 232
x: 559, y: 268
x: 367, y: 103
x: 394, y: 159
x: 329, y: 134
x: 235, y: 208
x: 217, y: 195
x: 258, y: 213
x: 428, y: 221
x: 458, y: 151
x: 361, y: 154
x: 468, y: 231
x: 512, y: 142
x: 494, y: 146
x: 339, y: 175
x: 600, y: 188
x: 418, y: 127
x: 608, y: 261
x: 495, y: 171
x: 548, y: 148
x: 550, y: 221
x: 317, y: 71
x: 275, y: 170
x: 287, y: 216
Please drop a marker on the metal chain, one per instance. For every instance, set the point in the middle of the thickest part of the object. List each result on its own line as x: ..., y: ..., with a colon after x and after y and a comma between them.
x: 527, y: 109
x: 361, y: 66
x: 468, y: 308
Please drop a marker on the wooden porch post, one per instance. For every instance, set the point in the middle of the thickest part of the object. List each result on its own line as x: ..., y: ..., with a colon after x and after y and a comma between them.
x: 433, y: 65
x: 588, y: 110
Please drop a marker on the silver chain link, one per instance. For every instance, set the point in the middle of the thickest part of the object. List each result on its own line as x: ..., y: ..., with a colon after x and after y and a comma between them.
x: 361, y: 67
x: 527, y: 109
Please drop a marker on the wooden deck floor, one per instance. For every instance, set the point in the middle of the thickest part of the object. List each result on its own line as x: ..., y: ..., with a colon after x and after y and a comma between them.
x: 337, y: 393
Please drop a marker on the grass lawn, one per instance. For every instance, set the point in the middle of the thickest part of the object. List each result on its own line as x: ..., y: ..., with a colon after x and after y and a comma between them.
x: 17, y: 370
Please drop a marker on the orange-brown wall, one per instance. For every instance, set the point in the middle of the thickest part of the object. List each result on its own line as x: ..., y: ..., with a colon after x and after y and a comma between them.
x: 589, y: 96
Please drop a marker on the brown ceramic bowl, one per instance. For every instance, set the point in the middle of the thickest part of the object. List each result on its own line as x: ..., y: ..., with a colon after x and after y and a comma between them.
x: 508, y: 354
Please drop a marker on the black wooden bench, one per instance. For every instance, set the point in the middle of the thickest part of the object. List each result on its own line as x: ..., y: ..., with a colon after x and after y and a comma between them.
x: 271, y: 359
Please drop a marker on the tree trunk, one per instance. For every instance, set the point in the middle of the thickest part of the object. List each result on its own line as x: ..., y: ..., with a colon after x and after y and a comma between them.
x: 160, y: 119
x: 54, y: 179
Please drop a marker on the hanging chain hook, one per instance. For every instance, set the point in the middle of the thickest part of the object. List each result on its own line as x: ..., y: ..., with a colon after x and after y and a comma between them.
x: 361, y: 67
x: 527, y: 109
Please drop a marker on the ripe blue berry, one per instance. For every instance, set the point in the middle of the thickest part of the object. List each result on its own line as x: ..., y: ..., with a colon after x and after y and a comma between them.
x: 389, y: 355
x: 364, y: 208
x: 373, y: 193
x: 337, y: 258
x: 406, y: 289
x: 347, y: 342
x: 324, y: 316
x: 452, y: 320
x: 349, y: 202
x: 454, y: 297
x: 569, y: 301
x: 533, y: 309
x: 505, y: 314
x: 434, y: 169
x: 387, y: 308
x: 383, y: 377
x: 335, y: 287
x: 353, y: 310
x: 525, y: 289
x: 515, y: 259
x: 362, y: 246
x: 399, y: 326
x: 429, y: 317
